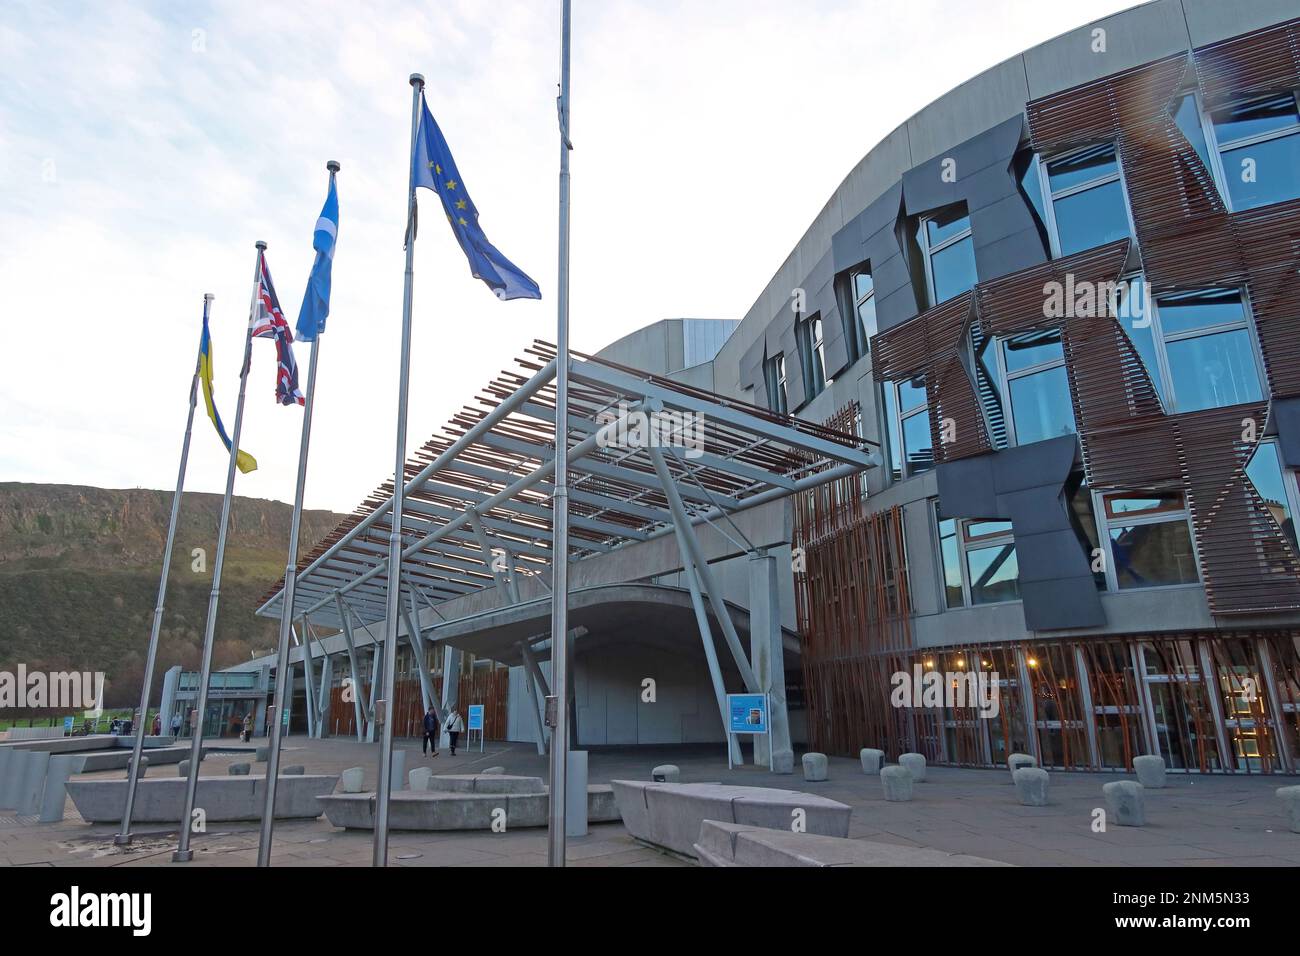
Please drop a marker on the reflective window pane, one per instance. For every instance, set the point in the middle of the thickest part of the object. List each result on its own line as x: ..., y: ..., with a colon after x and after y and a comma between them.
x: 867, y: 316
x: 1082, y: 167
x: 1265, y: 473
x: 1091, y: 218
x: 986, y: 529
x: 1263, y: 173
x: 891, y: 429
x: 1031, y: 185
x: 862, y: 284
x: 1211, y: 371
x: 1143, y: 504
x: 1040, y: 406
x: 911, y: 394
x: 994, y: 574
x: 945, y: 224
x: 954, y: 270
x: 1152, y: 555
x: 1252, y: 119
x: 1034, y: 348
x: 1189, y: 124
x: 918, y: 448
x: 951, y: 562
x: 1200, y: 309
x: 1140, y: 333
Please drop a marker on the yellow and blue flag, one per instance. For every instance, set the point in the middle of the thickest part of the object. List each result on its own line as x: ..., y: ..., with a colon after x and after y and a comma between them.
x: 243, y: 459
x: 433, y: 168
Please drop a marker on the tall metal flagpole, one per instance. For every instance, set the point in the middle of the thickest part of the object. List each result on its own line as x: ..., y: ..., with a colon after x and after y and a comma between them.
x: 393, y: 605
x: 133, y: 774
x: 560, y: 503
x: 183, y: 852
x: 282, y: 681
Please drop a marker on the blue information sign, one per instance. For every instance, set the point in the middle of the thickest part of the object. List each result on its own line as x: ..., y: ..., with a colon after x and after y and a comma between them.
x: 747, y: 713
x: 475, y: 717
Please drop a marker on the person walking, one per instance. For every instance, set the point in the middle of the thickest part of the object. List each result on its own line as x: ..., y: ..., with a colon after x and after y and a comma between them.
x: 430, y: 731
x: 454, y: 726
x: 176, y: 724
x: 248, y: 728
x: 157, y: 724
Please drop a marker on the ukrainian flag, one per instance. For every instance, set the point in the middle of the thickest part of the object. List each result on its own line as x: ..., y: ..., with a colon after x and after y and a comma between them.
x: 243, y: 459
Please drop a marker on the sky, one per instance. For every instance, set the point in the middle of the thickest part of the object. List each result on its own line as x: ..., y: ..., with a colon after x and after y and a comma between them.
x: 145, y: 147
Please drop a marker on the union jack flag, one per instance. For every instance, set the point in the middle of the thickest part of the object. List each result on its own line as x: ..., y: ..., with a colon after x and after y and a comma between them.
x: 268, y: 322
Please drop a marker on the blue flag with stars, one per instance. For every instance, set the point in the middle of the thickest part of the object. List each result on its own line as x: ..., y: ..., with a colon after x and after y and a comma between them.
x: 433, y: 168
x: 316, y: 300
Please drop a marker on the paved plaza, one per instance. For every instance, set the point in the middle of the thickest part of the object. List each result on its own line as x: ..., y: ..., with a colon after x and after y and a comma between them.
x: 1195, y: 821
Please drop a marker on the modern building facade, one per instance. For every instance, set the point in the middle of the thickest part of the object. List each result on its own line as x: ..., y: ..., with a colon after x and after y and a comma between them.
x: 1054, y: 314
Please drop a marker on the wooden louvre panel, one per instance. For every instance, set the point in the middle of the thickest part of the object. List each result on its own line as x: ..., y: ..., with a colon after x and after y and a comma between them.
x: 1265, y: 61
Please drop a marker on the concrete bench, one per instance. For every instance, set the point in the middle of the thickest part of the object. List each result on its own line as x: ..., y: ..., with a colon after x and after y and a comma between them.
x: 484, y: 783
x: 735, y: 844
x: 670, y: 814
x: 162, y: 800
x: 430, y: 810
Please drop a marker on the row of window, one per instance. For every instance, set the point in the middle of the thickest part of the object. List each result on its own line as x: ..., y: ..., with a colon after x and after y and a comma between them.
x: 1131, y: 540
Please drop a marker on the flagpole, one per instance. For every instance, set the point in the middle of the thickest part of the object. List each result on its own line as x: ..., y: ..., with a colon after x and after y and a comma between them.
x: 183, y: 852
x: 133, y: 773
x: 560, y: 502
x: 287, y: 602
x: 393, y: 596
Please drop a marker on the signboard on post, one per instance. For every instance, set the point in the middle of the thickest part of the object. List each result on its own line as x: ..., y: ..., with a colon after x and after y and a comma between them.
x: 746, y: 714
x: 476, y: 723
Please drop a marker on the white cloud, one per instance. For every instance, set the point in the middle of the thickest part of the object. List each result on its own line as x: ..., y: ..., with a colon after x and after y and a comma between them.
x: 708, y: 136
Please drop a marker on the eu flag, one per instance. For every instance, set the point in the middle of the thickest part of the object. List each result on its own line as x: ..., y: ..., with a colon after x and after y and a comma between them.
x: 316, y: 300
x: 433, y: 168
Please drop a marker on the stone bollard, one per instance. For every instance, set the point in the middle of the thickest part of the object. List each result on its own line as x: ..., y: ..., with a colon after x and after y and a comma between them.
x: 183, y: 768
x: 872, y: 760
x: 814, y: 767
x: 297, y: 770
x: 262, y: 754
x: 12, y: 782
x: 144, y: 766
x: 56, y: 792
x: 1124, y: 803
x: 897, y: 782
x: 1016, y: 761
x: 398, y: 773
x: 666, y: 773
x: 1150, y: 771
x: 418, y: 779
x: 239, y: 769
x: 495, y: 770
x: 1290, y: 797
x: 1031, y: 786
x: 914, y: 764
x: 352, y: 779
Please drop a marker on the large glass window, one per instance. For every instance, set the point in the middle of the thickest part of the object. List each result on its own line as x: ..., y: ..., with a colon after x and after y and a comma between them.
x: 1275, y: 487
x: 860, y: 317
x: 1038, y: 386
x: 1188, y: 119
x: 1259, y: 149
x: 1150, y: 540
x: 1088, y: 207
x: 774, y: 378
x: 1198, y: 347
x: 979, y: 561
x: 907, y: 425
x: 813, y: 354
x: 949, y: 253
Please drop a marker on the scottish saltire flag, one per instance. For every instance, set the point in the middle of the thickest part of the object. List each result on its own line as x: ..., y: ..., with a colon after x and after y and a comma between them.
x: 316, y: 300
x: 243, y: 459
x: 433, y: 168
x: 268, y: 322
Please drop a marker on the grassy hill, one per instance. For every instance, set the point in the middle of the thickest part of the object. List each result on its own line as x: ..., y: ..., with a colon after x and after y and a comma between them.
x: 79, y: 578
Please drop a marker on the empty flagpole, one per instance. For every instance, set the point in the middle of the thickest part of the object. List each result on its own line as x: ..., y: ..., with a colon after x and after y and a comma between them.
x: 183, y: 852
x: 560, y: 501
x: 287, y: 602
x: 393, y: 606
x: 133, y: 773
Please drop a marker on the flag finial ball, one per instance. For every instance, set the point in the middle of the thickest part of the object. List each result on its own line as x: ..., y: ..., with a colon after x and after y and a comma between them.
x: 261, y: 244
x: 208, y: 297
x: 417, y: 79
x: 333, y: 166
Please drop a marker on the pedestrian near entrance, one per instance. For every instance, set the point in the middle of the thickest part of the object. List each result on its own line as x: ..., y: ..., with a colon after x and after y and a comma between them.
x: 176, y: 724
x: 454, y: 726
x: 248, y: 728
x: 431, y: 732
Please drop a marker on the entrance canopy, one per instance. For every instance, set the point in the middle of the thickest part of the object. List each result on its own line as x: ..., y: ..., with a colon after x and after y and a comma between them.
x: 477, y: 511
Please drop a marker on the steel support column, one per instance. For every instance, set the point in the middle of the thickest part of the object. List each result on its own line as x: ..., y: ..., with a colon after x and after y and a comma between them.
x: 344, y: 618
